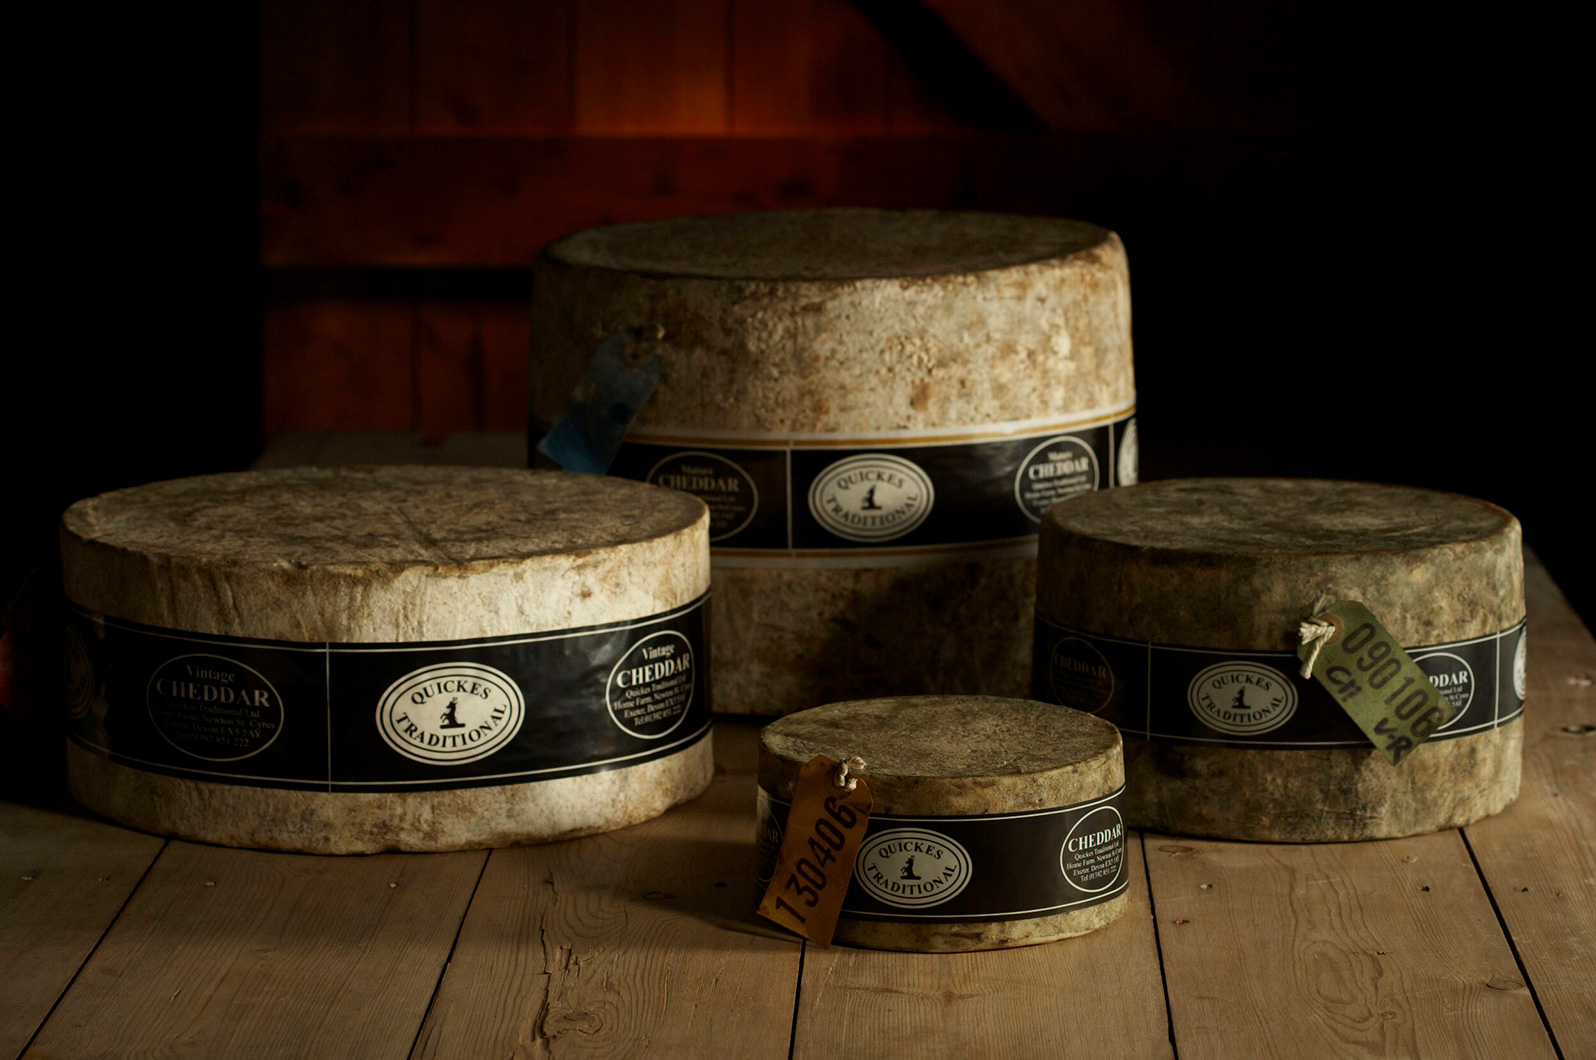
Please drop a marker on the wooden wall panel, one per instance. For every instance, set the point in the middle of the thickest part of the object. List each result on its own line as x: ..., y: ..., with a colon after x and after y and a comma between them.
x: 472, y: 365
x: 335, y: 67
x: 652, y: 68
x: 806, y: 65
x: 500, y: 66
x: 334, y: 361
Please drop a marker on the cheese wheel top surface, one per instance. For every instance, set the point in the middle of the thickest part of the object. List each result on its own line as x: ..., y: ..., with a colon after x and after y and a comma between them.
x: 933, y: 737
x: 1253, y: 516
x: 380, y: 516
x: 1241, y: 563
x: 385, y: 553
x: 838, y: 244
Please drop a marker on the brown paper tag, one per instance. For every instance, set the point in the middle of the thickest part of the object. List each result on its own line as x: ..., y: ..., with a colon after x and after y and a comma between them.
x: 824, y: 829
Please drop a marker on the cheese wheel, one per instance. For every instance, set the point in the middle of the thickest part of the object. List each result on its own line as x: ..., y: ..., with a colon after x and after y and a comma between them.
x: 347, y: 660
x: 995, y: 821
x: 1173, y: 610
x: 877, y: 407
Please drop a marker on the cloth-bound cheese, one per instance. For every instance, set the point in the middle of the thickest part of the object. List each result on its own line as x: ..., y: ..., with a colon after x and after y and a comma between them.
x: 1174, y: 609
x: 996, y: 822
x: 344, y: 660
x: 877, y: 407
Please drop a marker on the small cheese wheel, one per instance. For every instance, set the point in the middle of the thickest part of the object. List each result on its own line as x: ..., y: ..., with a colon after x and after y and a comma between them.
x: 1236, y: 565
x: 871, y: 332
x: 268, y: 658
x: 994, y: 792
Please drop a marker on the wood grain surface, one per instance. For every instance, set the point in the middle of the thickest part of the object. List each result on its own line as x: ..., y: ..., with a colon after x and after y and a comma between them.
x: 1091, y: 997
x: 63, y: 879
x: 1539, y: 857
x: 1349, y: 949
x: 238, y: 953
x: 642, y: 942
x: 638, y: 943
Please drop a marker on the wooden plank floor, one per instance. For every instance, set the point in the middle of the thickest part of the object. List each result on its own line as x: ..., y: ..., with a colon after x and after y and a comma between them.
x: 1479, y: 942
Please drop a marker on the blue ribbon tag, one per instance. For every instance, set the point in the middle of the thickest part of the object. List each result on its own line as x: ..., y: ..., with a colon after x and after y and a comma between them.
x: 616, y: 385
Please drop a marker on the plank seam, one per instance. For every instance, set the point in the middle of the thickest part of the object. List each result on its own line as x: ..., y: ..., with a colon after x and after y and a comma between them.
x: 448, y: 958
x: 67, y: 989
x: 1501, y: 922
x: 797, y: 996
x: 1158, y: 943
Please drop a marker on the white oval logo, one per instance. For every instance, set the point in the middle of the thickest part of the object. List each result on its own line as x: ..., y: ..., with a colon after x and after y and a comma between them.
x: 726, y: 489
x: 873, y: 497
x: 1093, y: 854
x: 1129, y: 460
x: 1056, y: 470
x: 912, y: 867
x: 1453, y: 677
x: 1520, y: 671
x: 451, y: 713
x: 651, y: 687
x: 1243, y: 698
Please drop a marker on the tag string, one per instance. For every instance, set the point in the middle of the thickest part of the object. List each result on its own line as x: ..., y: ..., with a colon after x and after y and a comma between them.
x: 1318, y: 634
x: 840, y: 777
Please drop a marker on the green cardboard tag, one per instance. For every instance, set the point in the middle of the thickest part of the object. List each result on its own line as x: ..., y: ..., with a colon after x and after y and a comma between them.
x: 1369, y: 674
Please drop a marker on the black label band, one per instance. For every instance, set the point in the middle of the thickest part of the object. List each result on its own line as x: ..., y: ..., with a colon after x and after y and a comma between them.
x: 388, y: 717
x: 1257, y: 699
x: 894, y: 497
x: 951, y: 870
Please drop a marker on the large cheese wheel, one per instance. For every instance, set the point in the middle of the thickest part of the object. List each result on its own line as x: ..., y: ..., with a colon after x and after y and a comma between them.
x: 1157, y: 605
x: 877, y: 407
x: 342, y: 660
x: 995, y: 821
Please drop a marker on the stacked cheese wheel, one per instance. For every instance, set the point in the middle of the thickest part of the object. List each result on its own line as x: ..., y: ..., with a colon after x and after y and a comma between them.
x: 877, y: 408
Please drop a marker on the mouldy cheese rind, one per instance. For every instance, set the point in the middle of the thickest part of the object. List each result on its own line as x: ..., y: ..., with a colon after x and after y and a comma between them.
x: 1165, y: 583
x: 345, y: 660
x: 946, y: 351
x: 1009, y: 808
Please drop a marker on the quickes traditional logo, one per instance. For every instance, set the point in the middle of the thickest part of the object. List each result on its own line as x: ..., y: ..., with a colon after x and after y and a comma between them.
x: 451, y: 713
x: 872, y: 497
x: 1242, y: 698
x: 1056, y: 470
x: 725, y: 488
x: 912, y: 867
x: 1453, y: 677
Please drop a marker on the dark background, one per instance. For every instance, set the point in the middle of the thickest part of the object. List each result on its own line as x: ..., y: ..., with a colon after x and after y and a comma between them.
x: 1353, y: 235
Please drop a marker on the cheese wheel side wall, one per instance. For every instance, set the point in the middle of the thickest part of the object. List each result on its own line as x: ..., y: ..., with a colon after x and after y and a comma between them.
x: 852, y: 355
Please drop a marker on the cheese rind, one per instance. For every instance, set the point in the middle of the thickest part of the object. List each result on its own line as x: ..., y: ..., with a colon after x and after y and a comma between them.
x: 839, y: 323
x: 951, y: 765
x: 407, y: 556
x: 1237, y: 565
